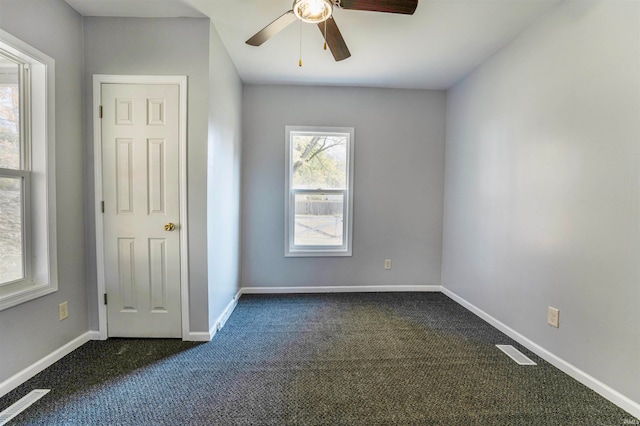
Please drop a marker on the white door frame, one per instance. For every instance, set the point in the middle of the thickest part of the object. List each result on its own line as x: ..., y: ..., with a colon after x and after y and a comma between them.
x: 181, y: 81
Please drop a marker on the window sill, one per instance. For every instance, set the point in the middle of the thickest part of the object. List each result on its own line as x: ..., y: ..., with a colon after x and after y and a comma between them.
x: 15, y: 294
x: 317, y: 253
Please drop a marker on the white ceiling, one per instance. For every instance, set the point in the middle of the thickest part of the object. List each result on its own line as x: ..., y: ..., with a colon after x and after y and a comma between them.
x: 135, y: 8
x: 432, y: 49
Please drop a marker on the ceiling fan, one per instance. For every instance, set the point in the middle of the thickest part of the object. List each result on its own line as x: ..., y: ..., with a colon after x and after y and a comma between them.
x: 320, y: 12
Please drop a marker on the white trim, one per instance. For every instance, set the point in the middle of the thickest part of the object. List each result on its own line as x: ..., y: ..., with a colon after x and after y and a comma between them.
x: 38, y: 366
x: 290, y: 249
x: 224, y: 316
x: 341, y: 289
x: 592, y: 383
x: 203, y: 336
x: 97, y: 167
x: 94, y: 335
x: 198, y: 336
x: 181, y: 81
x: 41, y: 278
x: 26, y: 294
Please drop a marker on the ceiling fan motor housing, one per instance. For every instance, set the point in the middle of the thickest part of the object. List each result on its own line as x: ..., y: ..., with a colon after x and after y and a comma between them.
x: 313, y: 11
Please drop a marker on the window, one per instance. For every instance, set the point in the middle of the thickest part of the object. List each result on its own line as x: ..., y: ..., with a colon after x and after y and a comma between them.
x: 27, y: 201
x: 319, y: 184
x: 14, y: 177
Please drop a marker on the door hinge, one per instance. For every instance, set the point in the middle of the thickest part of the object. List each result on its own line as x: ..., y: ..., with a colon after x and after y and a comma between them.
x: 105, y: 298
x: 102, y: 204
x: 100, y: 111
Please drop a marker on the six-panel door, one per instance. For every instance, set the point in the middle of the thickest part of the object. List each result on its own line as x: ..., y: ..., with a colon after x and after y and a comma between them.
x: 140, y: 154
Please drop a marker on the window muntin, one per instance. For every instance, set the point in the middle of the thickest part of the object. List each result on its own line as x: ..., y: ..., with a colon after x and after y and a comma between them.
x: 28, y: 252
x: 319, y: 187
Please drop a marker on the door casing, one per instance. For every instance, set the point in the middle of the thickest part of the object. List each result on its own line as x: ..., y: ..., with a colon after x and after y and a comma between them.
x: 181, y: 81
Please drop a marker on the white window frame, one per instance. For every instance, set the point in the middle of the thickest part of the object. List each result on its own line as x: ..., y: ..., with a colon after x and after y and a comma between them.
x: 37, y: 173
x: 291, y: 249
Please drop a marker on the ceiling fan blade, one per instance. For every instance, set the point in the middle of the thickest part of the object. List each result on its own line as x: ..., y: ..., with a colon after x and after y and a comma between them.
x: 406, y: 7
x: 334, y: 39
x: 272, y: 29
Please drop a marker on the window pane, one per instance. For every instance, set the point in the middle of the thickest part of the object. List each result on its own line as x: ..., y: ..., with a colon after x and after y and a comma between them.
x: 9, y: 115
x: 11, y: 268
x: 318, y: 219
x: 319, y: 161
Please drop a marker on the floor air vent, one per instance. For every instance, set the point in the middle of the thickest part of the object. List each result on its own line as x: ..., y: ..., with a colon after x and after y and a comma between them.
x: 22, y: 404
x: 516, y: 355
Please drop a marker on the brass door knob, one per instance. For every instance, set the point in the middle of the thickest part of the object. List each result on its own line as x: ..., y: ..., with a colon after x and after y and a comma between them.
x: 169, y: 227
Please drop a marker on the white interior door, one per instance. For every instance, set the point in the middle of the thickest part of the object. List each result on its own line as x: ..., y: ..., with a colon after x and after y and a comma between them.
x: 140, y: 176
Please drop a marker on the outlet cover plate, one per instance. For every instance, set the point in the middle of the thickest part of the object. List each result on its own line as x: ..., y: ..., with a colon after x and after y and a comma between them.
x: 63, y: 310
x: 553, y: 317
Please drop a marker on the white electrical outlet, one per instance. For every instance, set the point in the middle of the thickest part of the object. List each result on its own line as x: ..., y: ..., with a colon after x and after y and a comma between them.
x: 387, y: 264
x: 63, y: 310
x: 553, y: 317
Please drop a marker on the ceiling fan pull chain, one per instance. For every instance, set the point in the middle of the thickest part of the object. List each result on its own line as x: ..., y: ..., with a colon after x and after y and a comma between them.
x: 300, y: 61
x: 325, y: 35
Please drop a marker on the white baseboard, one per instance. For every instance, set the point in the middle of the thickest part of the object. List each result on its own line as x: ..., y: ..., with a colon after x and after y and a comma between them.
x: 198, y: 336
x: 94, y: 335
x: 204, y: 336
x: 606, y: 391
x: 35, y: 368
x: 224, y: 316
x: 594, y: 384
x: 341, y: 289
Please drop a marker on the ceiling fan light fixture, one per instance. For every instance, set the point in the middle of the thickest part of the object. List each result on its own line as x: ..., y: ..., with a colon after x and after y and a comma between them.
x: 313, y: 11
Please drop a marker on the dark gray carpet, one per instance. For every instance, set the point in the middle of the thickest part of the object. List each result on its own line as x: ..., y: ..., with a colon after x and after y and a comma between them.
x: 338, y: 359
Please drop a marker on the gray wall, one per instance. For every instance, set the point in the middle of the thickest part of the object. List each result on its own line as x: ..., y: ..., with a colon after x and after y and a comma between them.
x: 399, y: 159
x: 543, y: 188
x: 223, y: 180
x: 162, y: 46
x: 31, y: 330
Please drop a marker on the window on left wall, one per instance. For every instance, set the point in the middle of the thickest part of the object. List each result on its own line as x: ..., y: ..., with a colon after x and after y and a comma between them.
x: 27, y: 174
